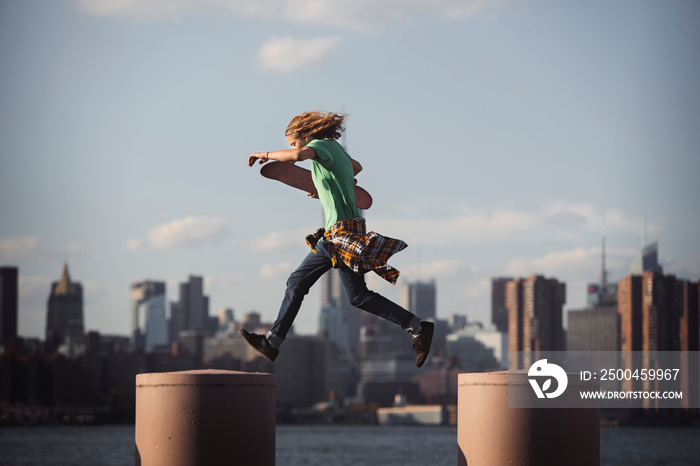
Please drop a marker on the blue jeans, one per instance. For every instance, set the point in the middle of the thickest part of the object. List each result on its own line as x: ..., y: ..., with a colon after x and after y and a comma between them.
x: 310, y: 270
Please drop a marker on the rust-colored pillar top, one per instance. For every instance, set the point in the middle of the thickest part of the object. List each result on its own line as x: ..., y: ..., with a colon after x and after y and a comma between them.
x: 204, y: 377
x: 205, y: 417
x: 490, y: 433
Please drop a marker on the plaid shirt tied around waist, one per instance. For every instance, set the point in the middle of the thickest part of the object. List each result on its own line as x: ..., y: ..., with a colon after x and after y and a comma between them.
x: 360, y: 251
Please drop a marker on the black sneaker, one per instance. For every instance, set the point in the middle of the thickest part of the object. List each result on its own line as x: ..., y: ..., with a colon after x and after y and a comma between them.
x: 422, y: 342
x: 261, y: 344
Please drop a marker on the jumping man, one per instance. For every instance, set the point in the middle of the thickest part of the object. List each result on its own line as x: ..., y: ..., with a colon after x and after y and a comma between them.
x: 343, y: 244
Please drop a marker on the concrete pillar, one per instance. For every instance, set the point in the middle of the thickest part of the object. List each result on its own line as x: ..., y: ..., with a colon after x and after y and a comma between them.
x: 205, y: 417
x: 489, y: 433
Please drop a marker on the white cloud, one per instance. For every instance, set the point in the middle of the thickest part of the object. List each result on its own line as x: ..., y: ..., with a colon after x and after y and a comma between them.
x: 186, y: 231
x: 468, y: 226
x: 686, y: 268
x: 26, y: 246
x: 440, y: 268
x: 371, y: 15
x: 433, y: 270
x: 575, y: 264
x: 559, y: 220
x: 31, y: 247
x: 134, y: 244
x: 582, y: 262
x: 356, y: 15
x: 575, y: 215
x: 289, y: 54
x: 154, y: 10
x: 269, y: 271
x: 278, y: 241
x: 36, y: 284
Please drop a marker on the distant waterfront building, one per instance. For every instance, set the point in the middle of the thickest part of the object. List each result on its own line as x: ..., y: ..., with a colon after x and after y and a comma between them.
x: 499, y: 311
x: 457, y: 322
x: 595, y: 329
x: 595, y: 296
x: 339, y: 322
x: 381, y: 379
x: 420, y: 298
x: 380, y: 339
x: 64, y: 323
x: 689, y: 327
x: 659, y: 313
x: 191, y: 313
x: 535, y: 306
x: 602, y: 293
x: 226, y: 320
x: 690, y: 317
x: 252, y: 322
x: 302, y: 371
x: 149, y: 326
x: 647, y: 260
x: 8, y: 305
x: 479, y: 348
x: 652, y: 308
x: 629, y: 306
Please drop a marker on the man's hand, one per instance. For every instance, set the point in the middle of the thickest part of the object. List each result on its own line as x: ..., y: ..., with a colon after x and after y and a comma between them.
x: 262, y: 156
x: 313, y: 195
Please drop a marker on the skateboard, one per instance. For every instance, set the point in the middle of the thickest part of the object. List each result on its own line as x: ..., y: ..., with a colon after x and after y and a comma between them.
x: 300, y: 178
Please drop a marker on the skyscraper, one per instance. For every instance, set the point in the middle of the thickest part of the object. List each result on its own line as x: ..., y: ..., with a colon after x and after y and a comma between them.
x: 647, y: 260
x: 690, y: 317
x: 655, y: 311
x: 148, y: 323
x: 192, y: 311
x: 8, y: 305
x: 420, y: 299
x: 602, y: 293
x: 629, y: 305
x: 499, y: 311
x: 596, y: 328
x: 339, y: 322
x: 64, y: 322
x: 658, y: 314
x: 535, y: 306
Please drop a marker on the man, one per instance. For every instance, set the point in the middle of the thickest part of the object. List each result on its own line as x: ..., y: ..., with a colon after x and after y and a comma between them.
x: 344, y: 243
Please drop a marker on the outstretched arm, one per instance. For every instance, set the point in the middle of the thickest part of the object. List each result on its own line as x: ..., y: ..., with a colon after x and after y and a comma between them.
x: 286, y: 155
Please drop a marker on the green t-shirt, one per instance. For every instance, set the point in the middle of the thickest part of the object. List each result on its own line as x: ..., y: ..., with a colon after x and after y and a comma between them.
x: 331, y: 171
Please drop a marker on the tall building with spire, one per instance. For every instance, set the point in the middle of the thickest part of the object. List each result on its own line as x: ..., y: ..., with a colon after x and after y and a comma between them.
x: 647, y: 260
x: 658, y: 312
x: 597, y: 327
x: 64, y: 322
x: 602, y: 293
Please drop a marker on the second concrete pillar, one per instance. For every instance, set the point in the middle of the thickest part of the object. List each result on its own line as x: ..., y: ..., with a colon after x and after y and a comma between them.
x: 205, y: 417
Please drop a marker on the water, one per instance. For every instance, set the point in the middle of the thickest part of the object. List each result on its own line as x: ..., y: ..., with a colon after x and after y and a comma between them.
x: 337, y: 445
x: 366, y: 445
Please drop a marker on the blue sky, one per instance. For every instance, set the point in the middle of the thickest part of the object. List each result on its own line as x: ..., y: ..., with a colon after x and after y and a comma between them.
x: 496, y: 137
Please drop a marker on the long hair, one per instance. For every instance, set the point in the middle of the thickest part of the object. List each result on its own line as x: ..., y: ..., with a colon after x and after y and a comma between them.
x: 316, y: 124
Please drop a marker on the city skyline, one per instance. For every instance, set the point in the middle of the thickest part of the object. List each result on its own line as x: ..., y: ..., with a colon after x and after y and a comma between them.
x: 496, y: 139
